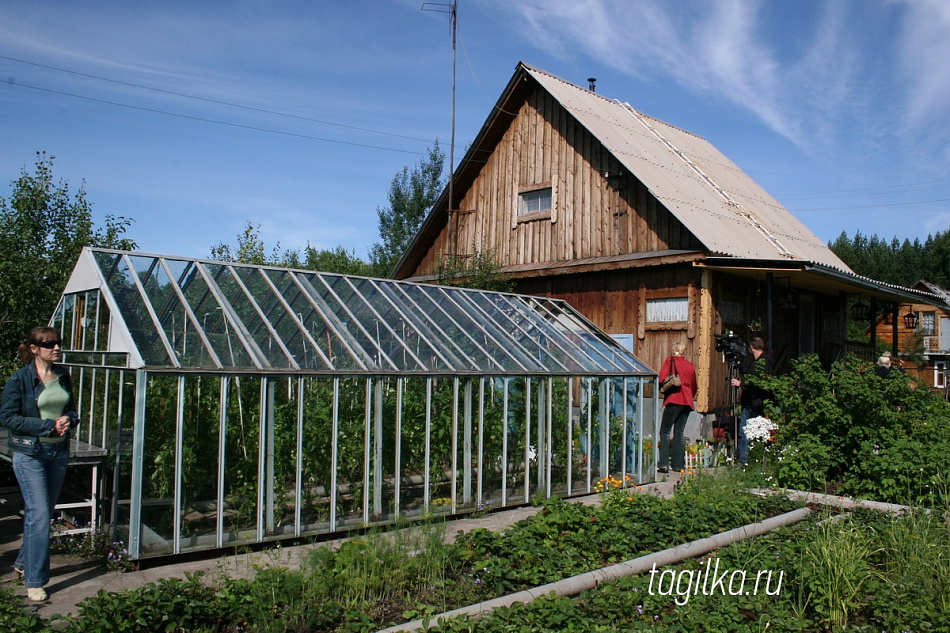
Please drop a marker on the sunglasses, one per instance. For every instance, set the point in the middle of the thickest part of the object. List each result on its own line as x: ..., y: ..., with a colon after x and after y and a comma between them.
x: 49, y: 344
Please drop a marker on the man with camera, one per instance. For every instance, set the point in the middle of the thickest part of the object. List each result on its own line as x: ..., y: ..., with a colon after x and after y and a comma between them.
x: 752, y: 401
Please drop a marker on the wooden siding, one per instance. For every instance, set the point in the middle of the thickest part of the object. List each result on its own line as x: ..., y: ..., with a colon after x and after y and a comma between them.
x: 598, y: 209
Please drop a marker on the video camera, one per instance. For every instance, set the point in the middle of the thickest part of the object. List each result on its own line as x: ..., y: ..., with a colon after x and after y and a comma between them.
x: 731, y: 345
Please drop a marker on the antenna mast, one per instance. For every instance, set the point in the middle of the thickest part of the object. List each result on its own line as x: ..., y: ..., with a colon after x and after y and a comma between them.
x: 451, y: 9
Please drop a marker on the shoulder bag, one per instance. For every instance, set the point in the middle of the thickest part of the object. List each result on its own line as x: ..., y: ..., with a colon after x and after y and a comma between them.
x: 673, y: 380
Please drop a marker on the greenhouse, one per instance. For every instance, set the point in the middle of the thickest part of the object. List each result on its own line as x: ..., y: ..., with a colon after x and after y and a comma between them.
x: 233, y: 404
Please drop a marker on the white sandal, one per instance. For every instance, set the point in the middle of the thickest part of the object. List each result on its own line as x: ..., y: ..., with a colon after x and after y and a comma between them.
x: 36, y: 594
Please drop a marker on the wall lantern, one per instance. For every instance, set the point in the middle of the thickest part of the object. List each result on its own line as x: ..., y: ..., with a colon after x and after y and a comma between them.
x: 860, y: 311
x: 910, y: 320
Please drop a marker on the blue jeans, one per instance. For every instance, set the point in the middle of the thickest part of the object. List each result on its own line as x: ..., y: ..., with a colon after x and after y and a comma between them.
x: 41, y: 479
x: 674, y: 419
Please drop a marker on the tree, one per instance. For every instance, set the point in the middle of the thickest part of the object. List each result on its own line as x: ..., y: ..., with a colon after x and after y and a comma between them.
x: 480, y: 271
x: 903, y: 263
x: 43, y: 228
x: 250, y: 249
x: 411, y: 195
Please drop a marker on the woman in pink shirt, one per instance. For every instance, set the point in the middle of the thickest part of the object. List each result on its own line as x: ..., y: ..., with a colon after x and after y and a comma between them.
x: 677, y: 403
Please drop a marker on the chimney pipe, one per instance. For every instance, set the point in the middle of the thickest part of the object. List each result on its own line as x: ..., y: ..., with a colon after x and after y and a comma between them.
x: 592, y: 83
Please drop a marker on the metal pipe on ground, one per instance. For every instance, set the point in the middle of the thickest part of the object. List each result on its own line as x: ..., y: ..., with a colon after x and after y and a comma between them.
x: 592, y: 579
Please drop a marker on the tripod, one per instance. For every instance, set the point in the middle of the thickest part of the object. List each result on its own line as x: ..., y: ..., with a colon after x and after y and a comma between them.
x: 731, y: 406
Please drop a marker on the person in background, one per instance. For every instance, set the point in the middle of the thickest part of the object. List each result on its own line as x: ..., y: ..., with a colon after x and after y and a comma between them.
x: 883, y: 367
x: 752, y: 401
x: 677, y: 403
x: 37, y: 408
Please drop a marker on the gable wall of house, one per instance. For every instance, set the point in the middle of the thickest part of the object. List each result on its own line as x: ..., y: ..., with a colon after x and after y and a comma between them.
x: 596, y: 210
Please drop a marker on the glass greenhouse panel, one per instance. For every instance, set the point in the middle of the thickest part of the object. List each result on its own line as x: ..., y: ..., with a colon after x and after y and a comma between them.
x: 137, y: 316
x: 353, y: 452
x: 414, y: 438
x: 280, y: 458
x: 317, y: 451
x: 159, y: 466
x: 476, y: 345
x: 201, y: 415
x: 241, y: 460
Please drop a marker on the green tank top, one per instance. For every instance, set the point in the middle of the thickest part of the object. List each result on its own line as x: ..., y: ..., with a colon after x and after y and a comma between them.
x: 52, y: 402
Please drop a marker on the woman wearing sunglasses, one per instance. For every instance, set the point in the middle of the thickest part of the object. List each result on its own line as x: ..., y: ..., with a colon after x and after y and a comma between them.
x: 38, y: 410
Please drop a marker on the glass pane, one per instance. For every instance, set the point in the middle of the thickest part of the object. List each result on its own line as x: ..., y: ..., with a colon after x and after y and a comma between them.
x: 440, y: 470
x: 584, y: 437
x: 228, y: 347
x: 241, y: 459
x: 493, y: 441
x: 158, y: 465
x: 393, y: 329
x: 413, y: 445
x: 104, y: 320
x: 87, y: 321
x: 178, y: 329
x: 442, y: 331
x: 280, y: 497
x: 252, y: 322
x: 107, y: 262
x: 277, y: 316
x: 318, y: 319
x: 318, y: 442
x: 466, y: 458
x: 351, y: 438
x: 119, y: 433
x: 68, y: 317
x: 533, y: 342
x: 383, y: 444
x: 518, y: 450
x: 357, y: 337
x: 199, y: 481
x: 485, y: 334
x: 136, y: 316
x: 560, y: 441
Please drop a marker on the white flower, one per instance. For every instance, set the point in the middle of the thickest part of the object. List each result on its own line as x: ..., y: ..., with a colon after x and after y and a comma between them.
x: 758, y: 429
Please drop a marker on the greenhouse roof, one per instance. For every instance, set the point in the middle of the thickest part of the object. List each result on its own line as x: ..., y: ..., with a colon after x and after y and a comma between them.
x: 180, y: 313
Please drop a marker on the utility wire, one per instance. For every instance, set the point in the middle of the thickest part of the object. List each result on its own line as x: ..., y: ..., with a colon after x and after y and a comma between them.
x: 209, y: 100
x: 865, y: 190
x: 872, y: 206
x: 215, y: 121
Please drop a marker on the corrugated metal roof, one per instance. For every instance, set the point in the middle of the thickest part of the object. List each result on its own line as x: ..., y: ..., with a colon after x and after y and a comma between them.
x: 719, y: 203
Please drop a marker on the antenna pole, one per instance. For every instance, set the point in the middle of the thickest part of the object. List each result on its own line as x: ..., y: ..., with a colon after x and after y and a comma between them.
x: 452, y: 9
x: 452, y: 234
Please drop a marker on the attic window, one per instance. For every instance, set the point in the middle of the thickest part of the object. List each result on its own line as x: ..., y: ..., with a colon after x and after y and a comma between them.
x: 534, y: 203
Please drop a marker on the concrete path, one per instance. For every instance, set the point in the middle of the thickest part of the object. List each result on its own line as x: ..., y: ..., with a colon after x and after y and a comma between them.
x: 74, y: 580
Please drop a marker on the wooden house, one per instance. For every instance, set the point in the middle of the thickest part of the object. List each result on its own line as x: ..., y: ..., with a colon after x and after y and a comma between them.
x: 646, y: 229
x: 918, y: 334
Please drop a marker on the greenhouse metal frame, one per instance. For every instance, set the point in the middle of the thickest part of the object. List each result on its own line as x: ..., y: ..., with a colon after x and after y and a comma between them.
x: 239, y: 404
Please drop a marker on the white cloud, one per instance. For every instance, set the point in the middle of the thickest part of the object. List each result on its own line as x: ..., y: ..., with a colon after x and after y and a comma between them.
x: 800, y: 85
x: 924, y: 55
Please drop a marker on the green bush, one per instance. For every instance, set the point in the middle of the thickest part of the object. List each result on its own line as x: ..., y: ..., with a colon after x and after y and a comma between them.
x: 886, y: 439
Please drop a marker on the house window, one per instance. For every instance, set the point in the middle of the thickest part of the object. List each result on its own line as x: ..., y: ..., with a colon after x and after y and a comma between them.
x: 928, y: 323
x: 940, y: 374
x: 534, y: 202
x: 665, y: 310
x: 731, y: 312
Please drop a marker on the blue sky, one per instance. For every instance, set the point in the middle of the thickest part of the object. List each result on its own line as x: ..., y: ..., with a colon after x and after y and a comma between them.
x: 195, y: 118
